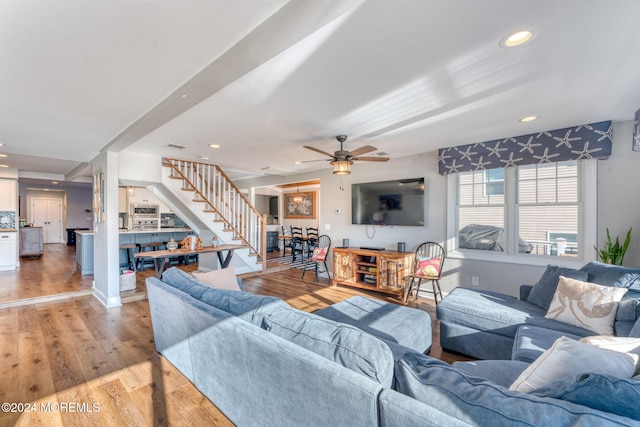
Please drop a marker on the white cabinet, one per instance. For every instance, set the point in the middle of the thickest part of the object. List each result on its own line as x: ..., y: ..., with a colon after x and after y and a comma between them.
x: 8, y: 254
x: 122, y: 199
x: 143, y: 195
x: 146, y: 197
x: 8, y: 194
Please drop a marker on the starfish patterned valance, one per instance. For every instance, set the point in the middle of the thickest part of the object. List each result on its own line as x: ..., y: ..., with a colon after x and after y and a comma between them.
x: 591, y: 141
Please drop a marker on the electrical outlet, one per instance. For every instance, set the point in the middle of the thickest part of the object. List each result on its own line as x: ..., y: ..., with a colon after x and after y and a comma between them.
x: 327, y: 227
x: 475, y: 281
x: 338, y: 212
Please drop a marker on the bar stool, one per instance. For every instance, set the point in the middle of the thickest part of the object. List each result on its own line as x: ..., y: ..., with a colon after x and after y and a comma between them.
x: 129, y: 248
x: 147, y: 247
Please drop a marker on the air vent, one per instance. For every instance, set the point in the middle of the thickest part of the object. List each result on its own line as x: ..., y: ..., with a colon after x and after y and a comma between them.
x: 178, y: 146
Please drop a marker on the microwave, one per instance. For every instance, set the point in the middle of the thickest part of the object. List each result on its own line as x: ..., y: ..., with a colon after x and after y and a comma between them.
x: 144, y: 211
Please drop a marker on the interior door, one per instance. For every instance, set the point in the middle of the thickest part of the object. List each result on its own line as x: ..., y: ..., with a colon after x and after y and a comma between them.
x: 47, y: 213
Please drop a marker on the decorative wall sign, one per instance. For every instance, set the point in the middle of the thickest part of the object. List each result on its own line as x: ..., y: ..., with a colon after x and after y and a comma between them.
x: 98, y: 197
x: 302, y: 209
x: 592, y: 141
x: 636, y: 132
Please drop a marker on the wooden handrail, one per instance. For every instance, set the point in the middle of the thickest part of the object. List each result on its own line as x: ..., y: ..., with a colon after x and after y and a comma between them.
x: 238, y: 225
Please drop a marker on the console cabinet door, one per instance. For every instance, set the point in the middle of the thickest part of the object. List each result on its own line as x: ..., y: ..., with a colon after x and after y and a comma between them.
x: 342, y: 266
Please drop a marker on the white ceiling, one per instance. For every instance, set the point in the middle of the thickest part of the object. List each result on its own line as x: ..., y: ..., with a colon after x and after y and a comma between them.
x: 263, y: 78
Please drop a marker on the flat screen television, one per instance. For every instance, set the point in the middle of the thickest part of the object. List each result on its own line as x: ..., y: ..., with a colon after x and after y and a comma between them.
x: 397, y: 202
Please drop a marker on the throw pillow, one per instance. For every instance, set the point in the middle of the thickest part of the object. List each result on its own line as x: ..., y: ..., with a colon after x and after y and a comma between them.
x: 586, y: 305
x: 568, y: 357
x: 620, y: 344
x: 319, y: 254
x: 607, y: 393
x: 223, y: 278
x: 344, y: 344
x: 428, y: 267
x: 476, y: 401
x: 542, y: 292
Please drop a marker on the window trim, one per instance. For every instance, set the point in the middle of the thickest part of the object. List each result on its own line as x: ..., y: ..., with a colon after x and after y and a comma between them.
x: 587, y: 222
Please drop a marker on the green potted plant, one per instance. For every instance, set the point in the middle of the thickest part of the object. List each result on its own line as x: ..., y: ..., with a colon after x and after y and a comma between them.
x: 613, y: 253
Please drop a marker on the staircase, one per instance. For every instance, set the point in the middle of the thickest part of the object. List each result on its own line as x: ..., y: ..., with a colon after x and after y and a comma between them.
x: 231, y: 215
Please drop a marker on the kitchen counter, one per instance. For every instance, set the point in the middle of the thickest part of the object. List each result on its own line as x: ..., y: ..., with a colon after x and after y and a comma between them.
x: 84, y: 243
x: 147, y: 231
x: 8, y: 230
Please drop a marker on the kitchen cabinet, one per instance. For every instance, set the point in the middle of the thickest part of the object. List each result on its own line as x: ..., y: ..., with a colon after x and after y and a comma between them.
x: 122, y: 199
x: 144, y: 196
x: 8, y: 195
x: 8, y: 254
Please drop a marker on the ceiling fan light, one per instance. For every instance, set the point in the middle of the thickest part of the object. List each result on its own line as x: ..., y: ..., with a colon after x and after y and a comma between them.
x: 342, y: 167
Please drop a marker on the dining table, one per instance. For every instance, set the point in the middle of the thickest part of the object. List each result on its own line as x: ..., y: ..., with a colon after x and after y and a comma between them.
x: 161, y: 258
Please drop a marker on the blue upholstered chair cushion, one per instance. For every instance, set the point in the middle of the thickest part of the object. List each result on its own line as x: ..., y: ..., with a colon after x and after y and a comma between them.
x: 604, y: 392
x: 612, y: 275
x: 341, y: 343
x: 542, y: 292
x: 249, y: 307
x: 484, y: 403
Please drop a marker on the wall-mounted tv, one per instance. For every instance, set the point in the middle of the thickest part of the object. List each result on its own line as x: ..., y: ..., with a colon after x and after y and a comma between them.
x: 397, y: 202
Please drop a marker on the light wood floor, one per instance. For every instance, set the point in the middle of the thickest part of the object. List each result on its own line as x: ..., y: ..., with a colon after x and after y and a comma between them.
x: 76, y: 363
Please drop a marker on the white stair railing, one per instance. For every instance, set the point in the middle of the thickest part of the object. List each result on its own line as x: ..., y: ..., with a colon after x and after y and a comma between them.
x: 224, y: 200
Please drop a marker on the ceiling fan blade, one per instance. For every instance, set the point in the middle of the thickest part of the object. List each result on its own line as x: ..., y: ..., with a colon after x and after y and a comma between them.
x: 317, y: 150
x: 371, y: 159
x: 319, y: 160
x: 362, y: 150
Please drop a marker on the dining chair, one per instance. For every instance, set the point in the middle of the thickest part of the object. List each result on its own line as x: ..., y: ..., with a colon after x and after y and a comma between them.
x: 427, y: 265
x: 297, y: 242
x: 312, y: 240
x: 286, y: 241
x: 319, y: 255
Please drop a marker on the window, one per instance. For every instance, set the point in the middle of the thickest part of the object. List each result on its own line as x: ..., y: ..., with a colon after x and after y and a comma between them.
x: 527, y: 211
x: 494, y: 182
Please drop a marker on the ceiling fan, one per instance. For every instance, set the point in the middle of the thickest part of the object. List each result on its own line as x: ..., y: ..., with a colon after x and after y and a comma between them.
x: 342, y: 159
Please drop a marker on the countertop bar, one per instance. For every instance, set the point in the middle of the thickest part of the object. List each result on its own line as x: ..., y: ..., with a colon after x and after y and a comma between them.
x: 146, y: 231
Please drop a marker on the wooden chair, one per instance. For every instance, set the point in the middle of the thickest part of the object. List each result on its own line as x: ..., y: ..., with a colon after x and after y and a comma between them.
x: 312, y: 240
x: 286, y: 243
x: 319, y: 255
x: 297, y: 242
x: 427, y: 265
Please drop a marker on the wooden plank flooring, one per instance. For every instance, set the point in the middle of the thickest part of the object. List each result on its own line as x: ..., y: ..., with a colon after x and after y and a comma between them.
x: 76, y: 363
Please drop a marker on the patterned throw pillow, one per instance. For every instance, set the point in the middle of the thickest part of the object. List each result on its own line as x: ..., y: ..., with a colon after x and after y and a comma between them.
x: 319, y: 254
x: 586, y: 305
x: 428, y: 267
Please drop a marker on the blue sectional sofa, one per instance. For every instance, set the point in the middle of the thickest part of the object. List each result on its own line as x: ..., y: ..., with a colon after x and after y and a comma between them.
x: 264, y: 363
x: 489, y: 325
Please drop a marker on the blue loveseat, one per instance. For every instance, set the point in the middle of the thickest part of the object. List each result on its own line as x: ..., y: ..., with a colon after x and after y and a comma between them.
x: 264, y: 363
x: 490, y: 325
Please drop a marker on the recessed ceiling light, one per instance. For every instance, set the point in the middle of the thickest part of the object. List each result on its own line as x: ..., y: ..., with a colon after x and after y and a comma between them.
x: 1, y: 144
x: 214, y: 146
x: 204, y: 158
x: 3, y: 155
x: 528, y: 119
x: 54, y: 182
x: 4, y: 166
x: 516, y: 38
x: 184, y: 95
x: 297, y: 163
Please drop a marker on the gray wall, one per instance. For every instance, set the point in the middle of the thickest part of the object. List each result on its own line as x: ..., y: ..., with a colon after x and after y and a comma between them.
x: 618, y: 209
x: 78, y: 200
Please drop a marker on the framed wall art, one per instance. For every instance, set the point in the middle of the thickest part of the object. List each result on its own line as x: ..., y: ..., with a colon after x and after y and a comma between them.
x: 301, y: 205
